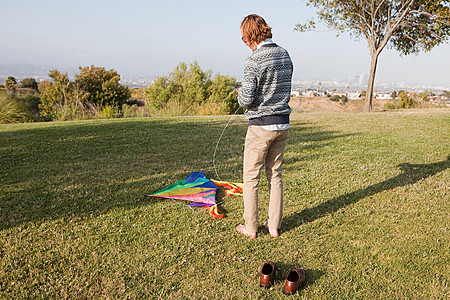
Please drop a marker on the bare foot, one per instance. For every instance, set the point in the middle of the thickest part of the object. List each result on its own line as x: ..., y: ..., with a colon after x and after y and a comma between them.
x: 273, y: 232
x: 241, y: 229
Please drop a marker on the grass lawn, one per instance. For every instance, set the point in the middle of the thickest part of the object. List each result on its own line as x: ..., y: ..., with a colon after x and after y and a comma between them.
x: 366, y: 210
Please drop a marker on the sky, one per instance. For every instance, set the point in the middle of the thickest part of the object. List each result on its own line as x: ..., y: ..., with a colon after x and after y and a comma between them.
x: 150, y: 38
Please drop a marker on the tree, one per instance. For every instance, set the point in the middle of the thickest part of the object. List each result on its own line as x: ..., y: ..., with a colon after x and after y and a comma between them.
x: 223, y: 90
x: 56, y: 95
x: 406, y: 101
x: 43, y: 85
x: 423, y: 97
x: 363, y: 94
x: 29, y: 83
x: 394, y: 95
x: 93, y: 87
x: 193, y: 91
x: 190, y: 84
x: 159, y: 92
x: 98, y: 86
x: 10, y: 85
x: 446, y: 94
x: 409, y: 26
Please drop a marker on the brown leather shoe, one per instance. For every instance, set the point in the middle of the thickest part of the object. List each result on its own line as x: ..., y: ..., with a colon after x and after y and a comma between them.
x: 266, y: 274
x: 295, y: 279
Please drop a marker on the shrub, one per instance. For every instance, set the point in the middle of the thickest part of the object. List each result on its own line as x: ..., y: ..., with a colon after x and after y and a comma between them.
x: 209, y: 108
x: 15, y: 109
x: 338, y: 98
x: 134, y: 111
x: 83, y: 98
x: 74, y: 111
x: 190, y: 91
x: 406, y: 101
x: 31, y: 101
x: 29, y: 83
x: 335, y: 98
x: 390, y: 105
x: 109, y: 112
x: 11, y: 85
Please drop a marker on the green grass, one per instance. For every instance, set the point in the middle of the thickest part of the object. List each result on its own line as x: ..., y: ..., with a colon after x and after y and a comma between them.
x: 366, y: 210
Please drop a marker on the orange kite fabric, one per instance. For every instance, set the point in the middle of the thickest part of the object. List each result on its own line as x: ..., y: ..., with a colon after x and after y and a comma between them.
x: 231, y: 188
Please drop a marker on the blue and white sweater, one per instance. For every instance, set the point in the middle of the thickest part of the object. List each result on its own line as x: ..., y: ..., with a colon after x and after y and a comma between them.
x: 266, y: 87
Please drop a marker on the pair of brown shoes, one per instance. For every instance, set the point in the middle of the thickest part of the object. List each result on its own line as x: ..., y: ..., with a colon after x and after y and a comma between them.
x: 295, y: 278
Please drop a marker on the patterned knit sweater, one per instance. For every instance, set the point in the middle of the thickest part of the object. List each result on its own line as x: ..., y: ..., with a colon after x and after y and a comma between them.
x: 266, y: 87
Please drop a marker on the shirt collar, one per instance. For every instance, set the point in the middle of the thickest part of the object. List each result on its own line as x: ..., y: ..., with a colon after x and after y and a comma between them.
x: 267, y: 41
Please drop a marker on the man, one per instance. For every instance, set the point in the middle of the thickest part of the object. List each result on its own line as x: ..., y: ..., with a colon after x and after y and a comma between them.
x: 265, y: 93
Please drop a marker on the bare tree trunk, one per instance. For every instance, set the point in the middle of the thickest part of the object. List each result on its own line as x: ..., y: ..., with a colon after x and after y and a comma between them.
x: 369, y: 92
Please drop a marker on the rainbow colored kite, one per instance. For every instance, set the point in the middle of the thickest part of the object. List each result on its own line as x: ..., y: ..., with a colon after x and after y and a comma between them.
x: 199, y: 190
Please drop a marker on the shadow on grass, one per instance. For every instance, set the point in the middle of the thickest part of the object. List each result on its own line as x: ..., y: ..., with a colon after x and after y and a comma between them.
x: 50, y: 171
x: 411, y: 174
x: 282, y: 269
x: 304, y: 139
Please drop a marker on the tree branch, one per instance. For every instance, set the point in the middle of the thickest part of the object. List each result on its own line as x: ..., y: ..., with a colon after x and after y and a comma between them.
x: 404, y: 12
x: 433, y: 17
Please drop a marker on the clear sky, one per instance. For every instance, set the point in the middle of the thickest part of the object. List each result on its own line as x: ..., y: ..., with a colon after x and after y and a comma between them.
x: 137, y: 37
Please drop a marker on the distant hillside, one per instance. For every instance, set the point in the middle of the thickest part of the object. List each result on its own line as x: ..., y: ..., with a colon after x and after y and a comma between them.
x: 23, y: 70
x: 40, y: 72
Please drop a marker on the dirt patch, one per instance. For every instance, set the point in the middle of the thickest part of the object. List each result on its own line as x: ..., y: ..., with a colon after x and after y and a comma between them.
x: 317, y: 104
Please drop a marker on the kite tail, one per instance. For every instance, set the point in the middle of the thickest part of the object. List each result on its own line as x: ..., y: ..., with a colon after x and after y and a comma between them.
x: 231, y: 188
x: 214, y: 211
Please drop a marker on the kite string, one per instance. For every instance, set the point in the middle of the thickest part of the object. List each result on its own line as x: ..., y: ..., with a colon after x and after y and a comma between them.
x: 179, y: 203
x: 218, y: 141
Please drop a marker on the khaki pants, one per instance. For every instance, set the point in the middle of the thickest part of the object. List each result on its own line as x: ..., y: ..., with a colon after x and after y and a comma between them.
x: 263, y: 147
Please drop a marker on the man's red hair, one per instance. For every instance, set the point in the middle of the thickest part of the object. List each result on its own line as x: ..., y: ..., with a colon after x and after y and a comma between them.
x: 255, y: 29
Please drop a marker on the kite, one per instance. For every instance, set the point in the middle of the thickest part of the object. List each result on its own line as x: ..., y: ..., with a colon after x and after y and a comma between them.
x: 231, y: 188
x: 199, y: 190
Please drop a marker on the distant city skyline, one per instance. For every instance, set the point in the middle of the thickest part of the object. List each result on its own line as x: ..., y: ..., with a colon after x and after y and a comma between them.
x: 356, y: 82
x: 150, y: 38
